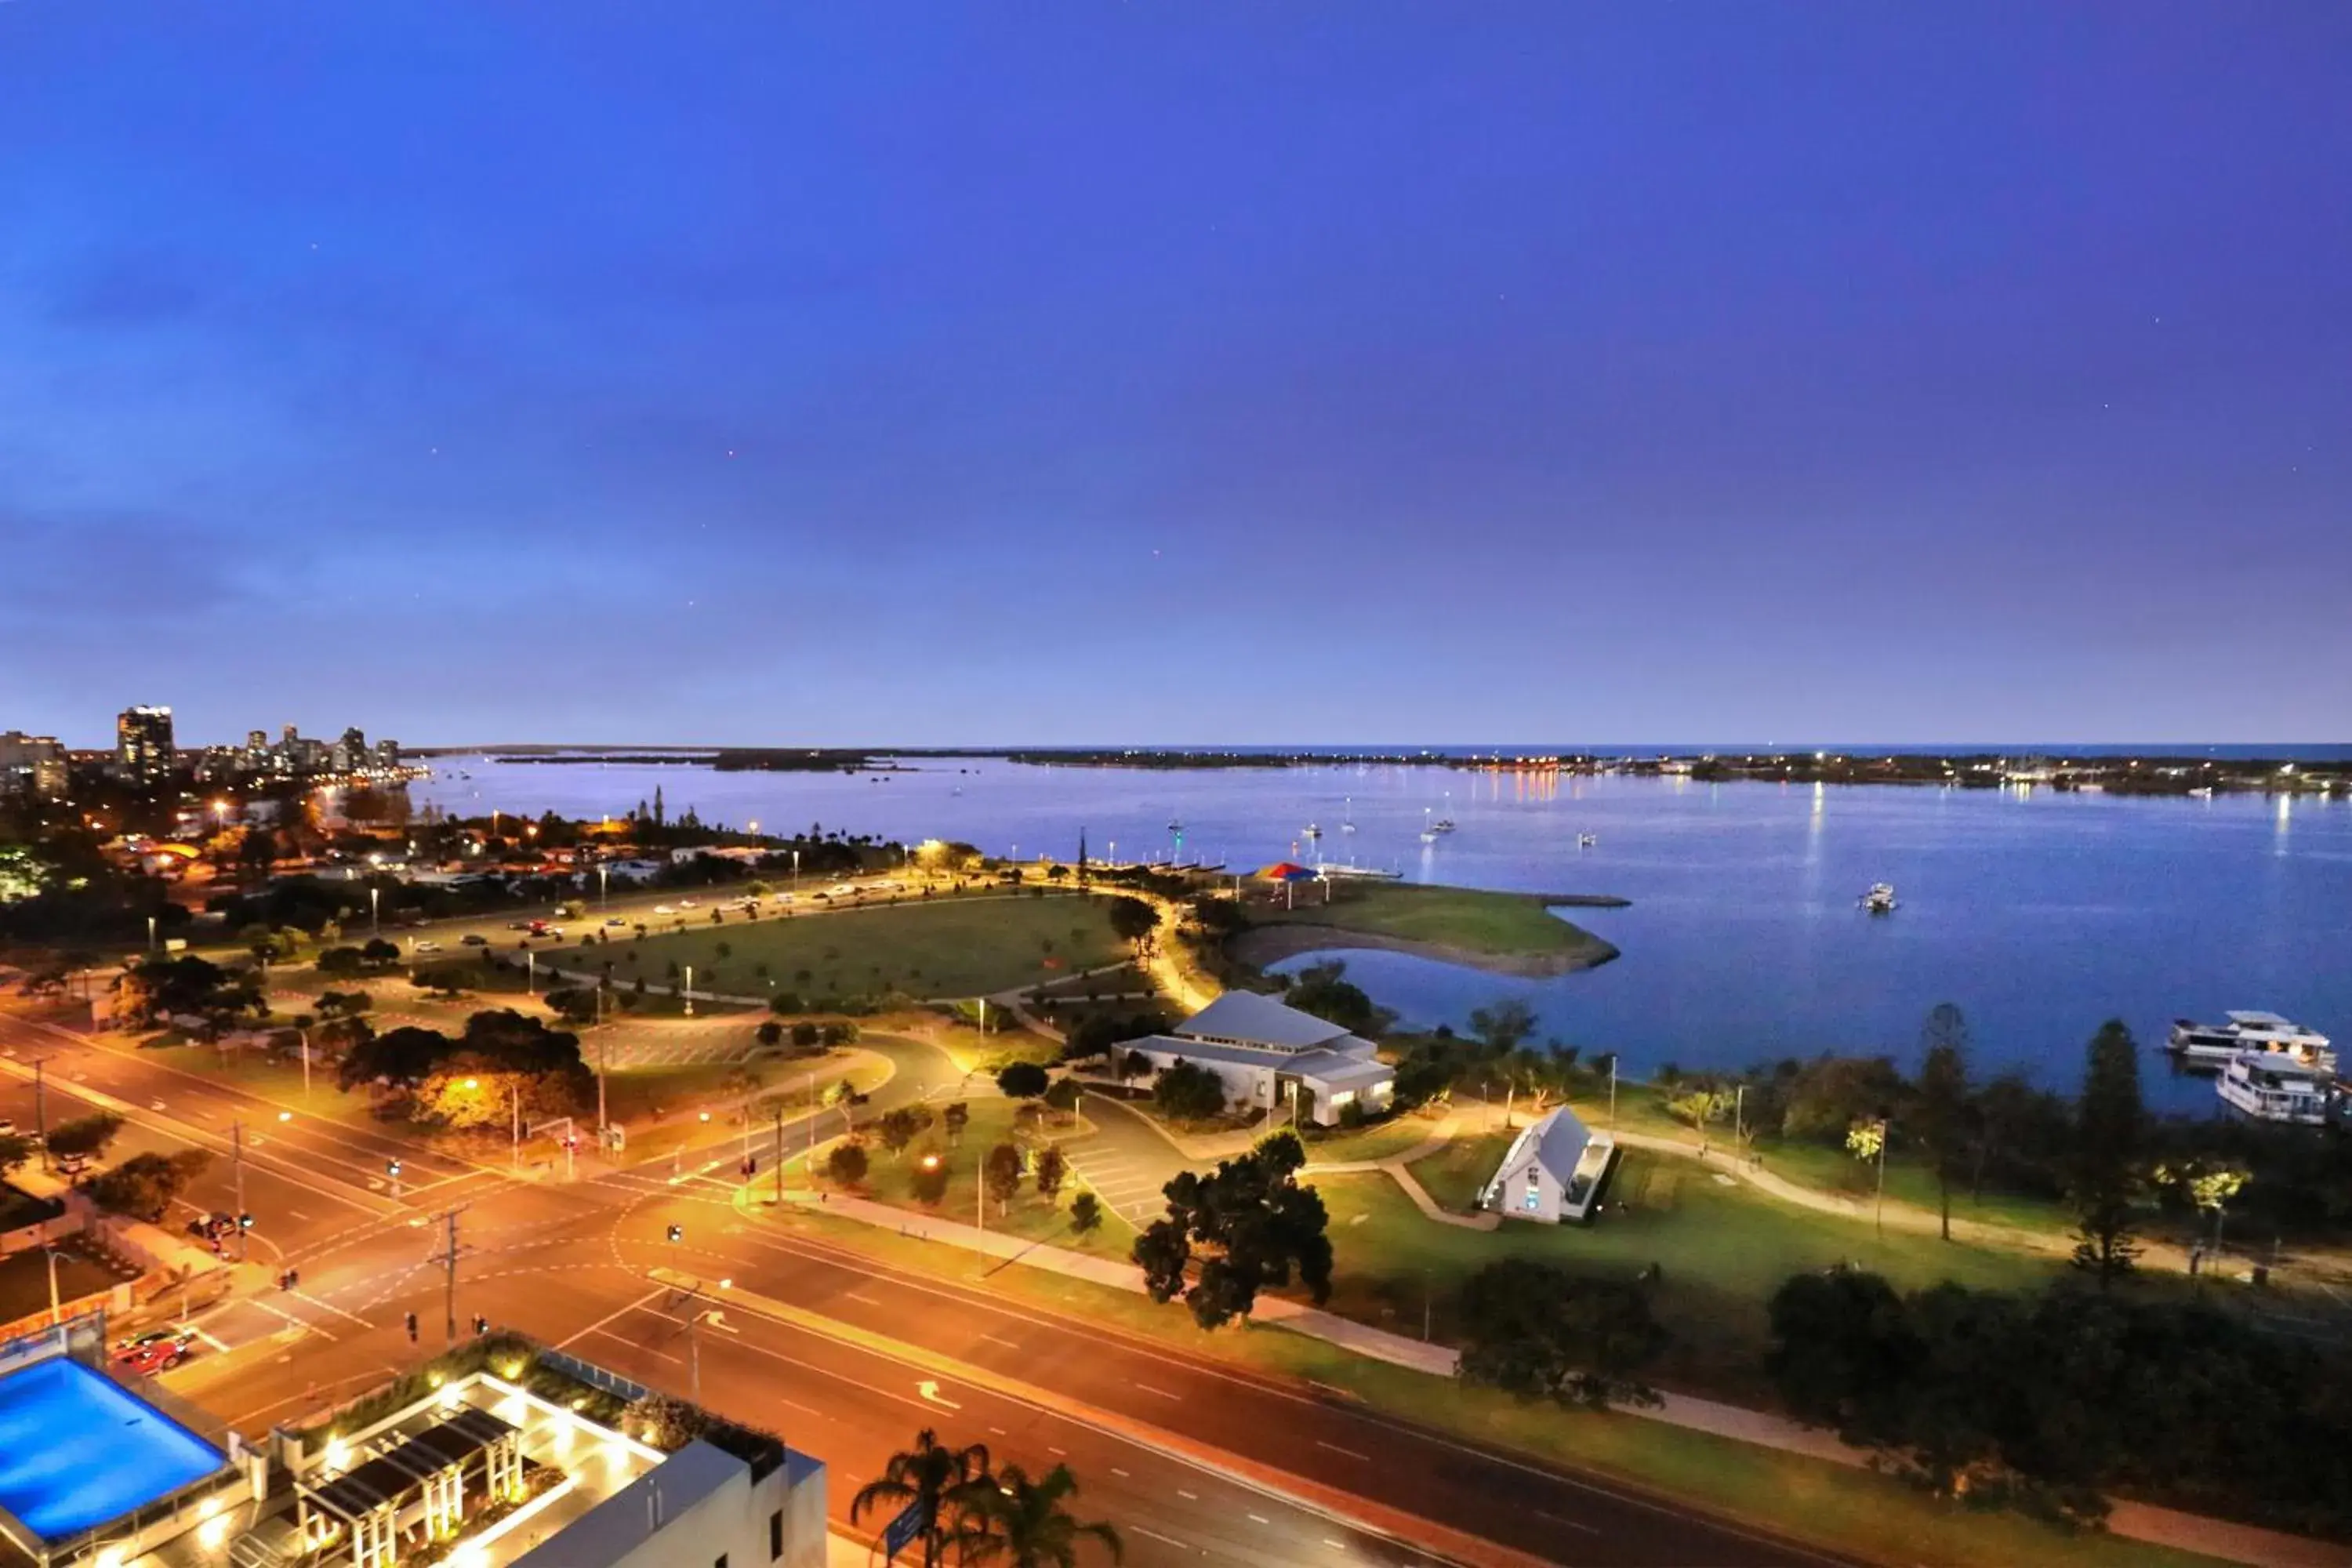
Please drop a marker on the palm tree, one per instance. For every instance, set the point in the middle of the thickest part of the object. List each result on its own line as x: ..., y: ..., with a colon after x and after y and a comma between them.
x: 929, y: 1476
x: 1021, y: 1523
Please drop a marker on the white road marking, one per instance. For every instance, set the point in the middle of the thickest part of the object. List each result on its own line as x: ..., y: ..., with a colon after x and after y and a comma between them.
x: 1260, y: 1519
x: 1160, y: 1392
x: 1188, y: 1496
x: 998, y: 1340
x: 1155, y: 1535
x: 1572, y: 1524
x: 1337, y: 1450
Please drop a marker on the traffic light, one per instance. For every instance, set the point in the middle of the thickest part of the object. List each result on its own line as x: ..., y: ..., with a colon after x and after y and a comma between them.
x: 481, y: 1324
x: 677, y: 1233
x: 411, y: 1328
x: 245, y: 1222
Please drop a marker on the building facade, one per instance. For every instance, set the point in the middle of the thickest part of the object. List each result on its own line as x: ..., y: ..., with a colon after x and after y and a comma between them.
x: 32, y: 765
x: 143, y: 747
x: 1267, y: 1055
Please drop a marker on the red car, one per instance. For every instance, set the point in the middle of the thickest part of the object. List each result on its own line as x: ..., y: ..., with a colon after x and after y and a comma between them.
x: 161, y: 1356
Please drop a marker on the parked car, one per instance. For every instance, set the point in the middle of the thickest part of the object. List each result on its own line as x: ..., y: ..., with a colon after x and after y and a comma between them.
x: 7, y: 1126
x: 427, y: 947
x: 664, y: 909
x: 686, y: 904
x: 161, y: 1356
x: 125, y: 1348
x: 72, y: 1165
x: 472, y: 939
x: 618, y: 923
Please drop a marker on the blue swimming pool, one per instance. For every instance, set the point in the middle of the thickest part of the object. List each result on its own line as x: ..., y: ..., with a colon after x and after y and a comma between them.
x: 77, y: 1451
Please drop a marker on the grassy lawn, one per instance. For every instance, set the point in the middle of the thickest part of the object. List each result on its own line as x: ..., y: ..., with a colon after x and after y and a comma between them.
x: 1838, y: 1508
x: 280, y: 1082
x: 25, y: 1280
x: 1470, y: 919
x: 890, y: 1177
x: 1720, y: 1251
x: 1380, y: 1140
x: 488, y: 988
x: 944, y: 947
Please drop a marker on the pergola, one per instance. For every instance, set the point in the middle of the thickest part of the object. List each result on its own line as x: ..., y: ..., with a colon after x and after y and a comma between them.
x: 430, y: 1467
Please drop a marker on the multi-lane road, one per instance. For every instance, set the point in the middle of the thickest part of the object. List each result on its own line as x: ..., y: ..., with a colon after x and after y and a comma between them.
x: 1194, y: 1458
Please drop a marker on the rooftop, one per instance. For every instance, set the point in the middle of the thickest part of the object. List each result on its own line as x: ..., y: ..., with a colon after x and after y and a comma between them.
x: 1253, y: 1018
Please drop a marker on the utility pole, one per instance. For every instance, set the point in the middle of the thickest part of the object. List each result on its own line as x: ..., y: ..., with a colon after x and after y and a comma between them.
x: 514, y: 1108
x: 1612, y: 1091
x: 449, y: 1261
x: 236, y: 1146
x: 780, y: 1148
x: 1881, y: 1217
x: 304, y: 1035
x: 604, y: 1068
x: 1740, y: 1118
x: 40, y: 1109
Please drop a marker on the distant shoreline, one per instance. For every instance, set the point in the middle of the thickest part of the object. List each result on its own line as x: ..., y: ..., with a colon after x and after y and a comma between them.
x: 2171, y: 773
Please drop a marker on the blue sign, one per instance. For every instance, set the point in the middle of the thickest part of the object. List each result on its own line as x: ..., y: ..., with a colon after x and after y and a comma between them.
x: 902, y: 1530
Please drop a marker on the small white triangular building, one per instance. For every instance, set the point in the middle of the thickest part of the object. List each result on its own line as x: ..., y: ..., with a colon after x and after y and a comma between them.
x: 1552, y: 1172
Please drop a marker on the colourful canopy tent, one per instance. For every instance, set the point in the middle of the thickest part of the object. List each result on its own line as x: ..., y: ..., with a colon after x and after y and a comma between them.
x: 1288, y: 871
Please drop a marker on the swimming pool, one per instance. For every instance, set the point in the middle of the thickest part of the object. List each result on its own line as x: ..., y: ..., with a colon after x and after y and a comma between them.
x: 77, y: 1451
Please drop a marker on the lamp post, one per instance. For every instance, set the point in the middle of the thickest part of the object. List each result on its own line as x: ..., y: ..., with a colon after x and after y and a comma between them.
x: 150, y: 933
x: 604, y: 886
x: 56, y: 1317
x: 687, y: 992
x: 376, y: 911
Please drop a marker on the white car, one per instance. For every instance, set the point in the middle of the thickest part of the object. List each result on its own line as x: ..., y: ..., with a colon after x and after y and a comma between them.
x: 426, y: 947
x: 664, y: 909
x: 7, y: 1128
x: 686, y: 904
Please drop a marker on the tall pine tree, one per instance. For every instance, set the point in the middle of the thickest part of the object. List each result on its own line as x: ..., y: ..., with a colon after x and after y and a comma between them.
x: 2109, y: 1129
x: 1943, y: 1106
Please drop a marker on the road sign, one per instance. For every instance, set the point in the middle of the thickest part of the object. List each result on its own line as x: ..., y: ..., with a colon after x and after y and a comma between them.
x: 903, y: 1530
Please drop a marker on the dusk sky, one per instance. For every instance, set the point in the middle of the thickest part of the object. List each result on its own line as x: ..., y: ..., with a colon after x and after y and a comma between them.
x: 847, y: 374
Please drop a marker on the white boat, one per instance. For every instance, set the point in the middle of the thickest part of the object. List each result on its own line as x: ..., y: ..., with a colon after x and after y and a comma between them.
x: 2271, y: 1086
x: 1174, y: 825
x: 2215, y: 1045
x: 1429, y: 836
x: 1587, y: 840
x: 1347, y: 816
x: 1880, y: 900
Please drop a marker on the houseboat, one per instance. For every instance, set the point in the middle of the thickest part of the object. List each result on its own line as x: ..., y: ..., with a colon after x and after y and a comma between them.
x: 1880, y: 900
x: 2271, y: 1086
x: 2217, y: 1045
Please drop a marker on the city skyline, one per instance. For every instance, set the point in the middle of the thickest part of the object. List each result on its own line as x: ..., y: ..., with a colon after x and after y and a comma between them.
x: 789, y: 379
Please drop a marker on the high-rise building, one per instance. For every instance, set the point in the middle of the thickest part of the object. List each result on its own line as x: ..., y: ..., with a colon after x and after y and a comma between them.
x: 351, y: 753
x: 387, y: 754
x: 143, y: 741
x: 32, y: 764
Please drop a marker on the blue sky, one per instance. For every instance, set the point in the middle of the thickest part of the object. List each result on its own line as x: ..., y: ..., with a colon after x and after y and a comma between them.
x: 764, y: 373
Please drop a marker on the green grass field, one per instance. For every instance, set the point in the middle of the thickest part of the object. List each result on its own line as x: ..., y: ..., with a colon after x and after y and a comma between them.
x: 889, y: 1180
x: 488, y: 987
x: 943, y: 947
x: 1469, y: 920
x: 1721, y: 1251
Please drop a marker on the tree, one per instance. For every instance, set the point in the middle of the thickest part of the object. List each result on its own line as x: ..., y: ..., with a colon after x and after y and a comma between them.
x: 1012, y: 1519
x: 1324, y: 990
x: 928, y: 1180
x: 900, y: 1127
x: 1134, y: 1064
x: 16, y: 1148
x: 1843, y: 1352
x: 1535, y: 1331
x: 847, y: 1162
x: 379, y: 954
x: 339, y: 961
x: 85, y: 1135
x: 1053, y: 1166
x: 575, y: 1005
x: 770, y: 1034
x: 2109, y: 1126
x: 805, y: 1035
x: 1002, y: 1173
x: 1024, y: 1080
x: 2207, y: 1184
x: 144, y: 1186
x: 1501, y: 1028
x: 954, y: 1117
x: 1189, y: 1092
x: 927, y: 1475
x: 1086, y: 1213
x: 1255, y: 1225
x: 842, y: 1095
x: 1131, y: 920
x: 1943, y: 1116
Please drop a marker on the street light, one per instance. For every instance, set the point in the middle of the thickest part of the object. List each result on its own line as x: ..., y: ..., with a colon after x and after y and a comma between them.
x: 376, y: 911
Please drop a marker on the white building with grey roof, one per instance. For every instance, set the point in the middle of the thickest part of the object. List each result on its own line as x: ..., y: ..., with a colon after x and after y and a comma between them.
x: 1265, y: 1053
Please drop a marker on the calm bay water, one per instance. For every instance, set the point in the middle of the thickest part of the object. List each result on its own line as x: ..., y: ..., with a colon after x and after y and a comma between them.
x: 2040, y: 914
